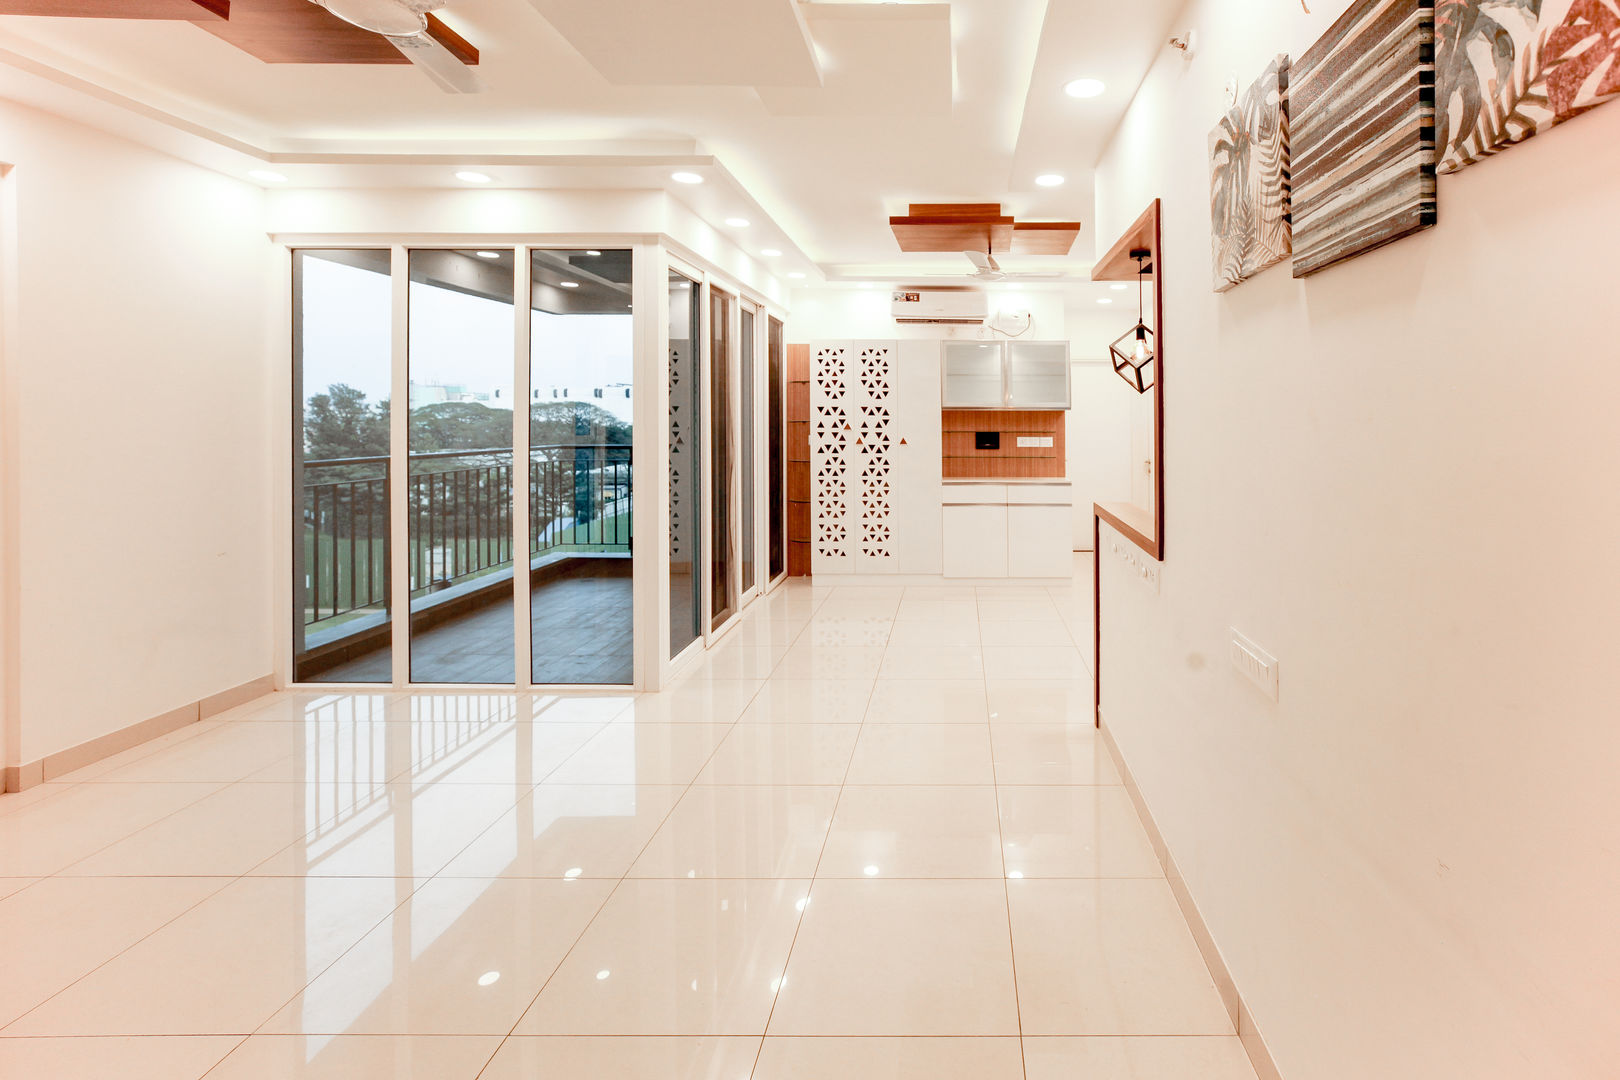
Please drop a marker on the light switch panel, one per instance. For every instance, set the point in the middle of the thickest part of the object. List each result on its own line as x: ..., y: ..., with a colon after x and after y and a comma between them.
x: 1255, y: 664
x: 1026, y: 442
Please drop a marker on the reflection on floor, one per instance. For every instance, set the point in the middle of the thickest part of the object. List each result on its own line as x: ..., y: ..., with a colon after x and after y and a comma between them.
x: 580, y: 635
x: 874, y: 836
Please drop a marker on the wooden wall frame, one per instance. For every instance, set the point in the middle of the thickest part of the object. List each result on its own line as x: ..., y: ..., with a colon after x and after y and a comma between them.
x: 1144, y: 530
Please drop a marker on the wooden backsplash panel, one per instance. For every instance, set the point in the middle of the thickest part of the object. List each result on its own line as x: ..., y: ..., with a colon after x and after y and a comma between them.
x: 959, y: 461
x: 798, y: 464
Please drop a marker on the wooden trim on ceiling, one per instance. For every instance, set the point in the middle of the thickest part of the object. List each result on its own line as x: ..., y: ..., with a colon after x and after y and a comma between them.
x: 180, y: 10
x: 1044, y: 237
x: 453, y: 43
x: 1117, y: 264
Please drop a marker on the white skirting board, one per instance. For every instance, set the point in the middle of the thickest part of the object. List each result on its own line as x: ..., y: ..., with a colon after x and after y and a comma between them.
x: 934, y: 580
x: 1242, y: 1021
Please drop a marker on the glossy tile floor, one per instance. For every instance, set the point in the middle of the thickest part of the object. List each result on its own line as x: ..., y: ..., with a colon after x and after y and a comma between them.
x: 872, y: 836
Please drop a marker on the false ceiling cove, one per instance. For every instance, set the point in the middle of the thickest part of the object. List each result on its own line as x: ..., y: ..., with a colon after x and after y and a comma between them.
x: 980, y: 227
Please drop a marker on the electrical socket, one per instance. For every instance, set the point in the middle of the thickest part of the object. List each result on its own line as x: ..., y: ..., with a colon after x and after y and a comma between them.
x: 1255, y: 664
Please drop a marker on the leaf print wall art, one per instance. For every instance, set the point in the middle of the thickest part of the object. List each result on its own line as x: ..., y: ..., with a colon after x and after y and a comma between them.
x: 1510, y: 69
x: 1249, y: 181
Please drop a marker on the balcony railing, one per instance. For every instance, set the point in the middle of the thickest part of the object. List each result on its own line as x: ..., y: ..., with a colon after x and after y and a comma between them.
x: 460, y: 513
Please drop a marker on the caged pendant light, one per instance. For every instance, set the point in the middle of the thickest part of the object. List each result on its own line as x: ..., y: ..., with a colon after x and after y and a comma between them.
x: 1132, y: 354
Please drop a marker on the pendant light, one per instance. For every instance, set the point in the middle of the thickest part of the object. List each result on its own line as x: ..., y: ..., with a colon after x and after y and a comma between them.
x: 1132, y: 354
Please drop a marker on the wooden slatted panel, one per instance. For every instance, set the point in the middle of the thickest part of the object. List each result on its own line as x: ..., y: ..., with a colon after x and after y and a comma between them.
x: 960, y: 461
x: 798, y: 453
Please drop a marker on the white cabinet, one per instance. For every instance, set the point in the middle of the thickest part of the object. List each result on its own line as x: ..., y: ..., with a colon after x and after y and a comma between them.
x: 1017, y: 529
x: 1038, y: 541
x: 1005, y: 375
x: 975, y: 541
x: 874, y: 457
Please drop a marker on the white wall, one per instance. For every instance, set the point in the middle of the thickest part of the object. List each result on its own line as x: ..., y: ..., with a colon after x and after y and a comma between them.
x: 140, y: 370
x: 1100, y: 421
x: 1398, y: 476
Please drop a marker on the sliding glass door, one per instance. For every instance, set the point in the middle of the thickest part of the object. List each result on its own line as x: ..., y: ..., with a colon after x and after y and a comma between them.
x: 581, y: 422
x: 776, y: 439
x: 685, y: 437
x: 459, y: 488
x: 745, y: 393
x: 341, y: 555
x: 722, y: 460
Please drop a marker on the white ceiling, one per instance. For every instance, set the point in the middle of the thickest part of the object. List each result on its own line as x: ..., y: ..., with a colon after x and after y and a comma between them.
x: 818, y: 119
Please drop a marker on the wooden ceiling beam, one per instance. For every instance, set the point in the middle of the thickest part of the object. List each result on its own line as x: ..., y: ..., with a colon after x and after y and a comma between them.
x: 182, y: 10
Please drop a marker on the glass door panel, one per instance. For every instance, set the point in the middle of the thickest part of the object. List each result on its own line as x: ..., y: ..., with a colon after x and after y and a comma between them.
x: 775, y: 437
x: 581, y: 416
x: 459, y: 491
x: 745, y: 454
x: 342, y: 360
x: 685, y: 462
x: 722, y: 461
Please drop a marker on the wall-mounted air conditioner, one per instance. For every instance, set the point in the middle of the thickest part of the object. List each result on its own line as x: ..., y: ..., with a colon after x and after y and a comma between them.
x: 939, y: 306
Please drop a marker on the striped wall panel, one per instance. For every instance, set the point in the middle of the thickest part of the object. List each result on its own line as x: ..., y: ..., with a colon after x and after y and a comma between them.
x: 1362, y: 133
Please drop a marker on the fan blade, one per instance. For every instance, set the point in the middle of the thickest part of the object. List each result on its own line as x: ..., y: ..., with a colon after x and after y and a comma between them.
x: 439, y: 64
x: 982, y: 261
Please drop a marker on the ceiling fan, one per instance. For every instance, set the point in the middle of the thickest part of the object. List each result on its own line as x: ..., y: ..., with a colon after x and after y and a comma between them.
x: 985, y: 268
x: 405, y: 24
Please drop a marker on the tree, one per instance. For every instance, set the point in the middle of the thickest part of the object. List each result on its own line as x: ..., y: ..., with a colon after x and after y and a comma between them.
x: 340, y: 424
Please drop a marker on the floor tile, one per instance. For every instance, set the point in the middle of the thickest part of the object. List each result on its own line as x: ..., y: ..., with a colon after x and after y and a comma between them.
x: 872, y: 959
x: 461, y: 956
x: 741, y: 832
x: 934, y: 610
x: 568, y: 831
x: 1051, y: 754
x: 807, y: 660
x: 63, y: 928
x: 547, y: 707
x: 753, y: 629
x: 920, y: 1058
x: 675, y: 958
x: 349, y: 1057
x: 679, y: 1057
x: 932, y: 633
x: 179, y: 1057
x: 633, y: 752
x: 782, y: 754
x: 10, y: 885
x: 1007, y: 606
x: 204, y: 974
x: 1109, y: 957
x: 922, y: 754
x: 849, y: 631
x: 914, y: 832
x: 908, y: 701
x: 1042, y: 702
x: 403, y: 830
x: 55, y: 832
x: 1044, y: 632
x: 932, y: 662
x: 693, y: 702
x: 1204, y: 1057
x: 1084, y: 832
x: 1032, y: 662
x: 810, y: 701
x: 738, y: 660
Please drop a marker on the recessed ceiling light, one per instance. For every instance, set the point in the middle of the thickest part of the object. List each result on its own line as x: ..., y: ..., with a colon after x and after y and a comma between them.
x: 593, y: 254
x: 1015, y: 285
x: 871, y: 871
x: 1104, y: 300
x: 686, y: 178
x: 470, y: 177
x: 569, y: 284
x: 487, y: 254
x: 1084, y: 88
x: 796, y: 275
x: 770, y: 253
x: 1049, y: 180
x: 867, y: 285
x: 489, y: 978
x: 266, y: 176
x: 737, y: 222
x: 1119, y: 286
x: 604, y: 973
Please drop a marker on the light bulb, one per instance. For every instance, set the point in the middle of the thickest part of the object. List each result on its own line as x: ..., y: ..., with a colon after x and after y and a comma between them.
x: 1140, y: 353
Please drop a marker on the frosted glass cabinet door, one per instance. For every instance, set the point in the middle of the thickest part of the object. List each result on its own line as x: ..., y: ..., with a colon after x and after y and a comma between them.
x: 1038, y: 374
x: 973, y: 375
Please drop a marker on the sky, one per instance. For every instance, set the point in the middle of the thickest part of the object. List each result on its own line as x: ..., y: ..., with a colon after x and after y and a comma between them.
x: 455, y: 338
